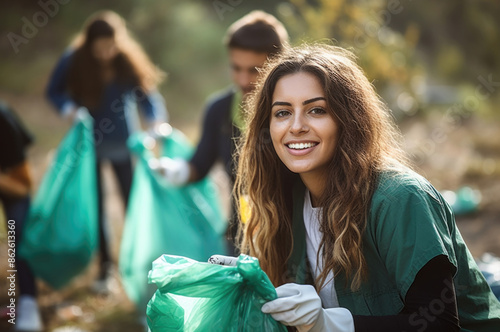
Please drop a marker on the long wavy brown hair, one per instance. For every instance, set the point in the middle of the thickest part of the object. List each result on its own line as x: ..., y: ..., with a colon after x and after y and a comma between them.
x: 131, y: 65
x: 367, y: 145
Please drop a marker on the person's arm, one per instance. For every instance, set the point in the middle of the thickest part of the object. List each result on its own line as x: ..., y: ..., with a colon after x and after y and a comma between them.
x: 414, y: 238
x: 57, y: 89
x: 16, y: 182
x: 430, y: 304
x: 180, y: 172
x: 207, y: 150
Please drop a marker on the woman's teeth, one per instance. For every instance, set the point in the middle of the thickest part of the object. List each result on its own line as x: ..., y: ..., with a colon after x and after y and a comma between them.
x: 301, y: 146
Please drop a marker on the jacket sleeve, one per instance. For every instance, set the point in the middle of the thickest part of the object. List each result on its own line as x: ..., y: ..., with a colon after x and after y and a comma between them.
x: 152, y: 104
x: 410, y: 227
x: 207, y: 150
x: 57, y: 89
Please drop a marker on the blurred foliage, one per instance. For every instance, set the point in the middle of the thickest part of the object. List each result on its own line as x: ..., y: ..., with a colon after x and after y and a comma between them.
x: 458, y: 39
x: 416, y: 53
x: 459, y: 45
x: 388, y: 57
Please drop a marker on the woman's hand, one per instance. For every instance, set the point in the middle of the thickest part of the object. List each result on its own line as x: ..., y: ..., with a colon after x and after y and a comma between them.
x: 296, y: 305
x: 75, y: 114
x: 300, y: 306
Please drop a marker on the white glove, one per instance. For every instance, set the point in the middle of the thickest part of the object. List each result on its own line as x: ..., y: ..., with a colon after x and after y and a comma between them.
x: 300, y: 306
x: 80, y: 114
x: 175, y: 171
x: 159, y: 129
x: 77, y: 114
x: 223, y: 260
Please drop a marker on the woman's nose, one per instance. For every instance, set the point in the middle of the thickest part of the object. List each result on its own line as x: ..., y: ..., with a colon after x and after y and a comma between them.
x: 299, y: 124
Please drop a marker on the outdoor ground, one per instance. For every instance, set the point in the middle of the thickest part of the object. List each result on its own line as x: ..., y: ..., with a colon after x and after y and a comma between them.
x: 467, y: 155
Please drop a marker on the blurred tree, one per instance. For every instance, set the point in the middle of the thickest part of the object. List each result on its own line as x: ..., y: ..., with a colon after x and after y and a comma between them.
x: 185, y: 41
x: 459, y: 40
x: 460, y: 46
x: 362, y: 26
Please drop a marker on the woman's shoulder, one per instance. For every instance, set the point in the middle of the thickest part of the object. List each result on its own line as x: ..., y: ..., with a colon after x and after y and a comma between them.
x: 405, y: 205
x: 403, y: 185
x: 67, y: 55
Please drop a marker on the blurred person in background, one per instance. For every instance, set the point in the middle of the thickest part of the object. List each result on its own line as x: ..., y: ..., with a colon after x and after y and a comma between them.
x: 106, y: 72
x: 250, y: 41
x: 15, y: 187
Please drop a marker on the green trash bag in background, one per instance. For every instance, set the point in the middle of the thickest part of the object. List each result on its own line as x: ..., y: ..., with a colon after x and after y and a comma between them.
x: 164, y: 219
x: 195, y: 296
x: 60, y: 235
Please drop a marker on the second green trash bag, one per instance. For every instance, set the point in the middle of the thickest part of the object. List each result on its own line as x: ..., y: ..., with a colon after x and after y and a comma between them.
x: 194, y: 296
x: 164, y: 219
x: 60, y: 236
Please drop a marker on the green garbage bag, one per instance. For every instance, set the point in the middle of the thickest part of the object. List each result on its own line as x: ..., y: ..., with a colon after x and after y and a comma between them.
x: 164, y: 219
x: 195, y: 296
x: 60, y: 235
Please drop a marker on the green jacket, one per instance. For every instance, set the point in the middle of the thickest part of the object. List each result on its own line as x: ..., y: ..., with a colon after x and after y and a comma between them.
x: 409, y: 223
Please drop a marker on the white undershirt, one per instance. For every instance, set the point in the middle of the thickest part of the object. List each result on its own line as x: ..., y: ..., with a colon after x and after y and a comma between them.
x: 313, y: 238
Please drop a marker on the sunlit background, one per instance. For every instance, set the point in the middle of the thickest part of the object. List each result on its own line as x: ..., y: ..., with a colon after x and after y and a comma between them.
x: 435, y: 63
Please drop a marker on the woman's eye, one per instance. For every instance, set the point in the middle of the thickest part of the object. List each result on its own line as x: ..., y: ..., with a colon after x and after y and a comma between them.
x: 318, y: 110
x: 281, y: 113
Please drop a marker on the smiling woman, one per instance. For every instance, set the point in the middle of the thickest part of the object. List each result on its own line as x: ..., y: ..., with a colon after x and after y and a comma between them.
x: 334, y: 204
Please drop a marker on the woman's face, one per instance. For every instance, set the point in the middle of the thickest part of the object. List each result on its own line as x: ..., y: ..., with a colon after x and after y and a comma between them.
x: 303, y: 131
x: 104, y: 49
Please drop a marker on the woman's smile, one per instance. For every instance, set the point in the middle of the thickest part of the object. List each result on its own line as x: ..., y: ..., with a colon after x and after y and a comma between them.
x: 300, y: 148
